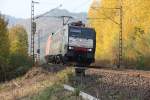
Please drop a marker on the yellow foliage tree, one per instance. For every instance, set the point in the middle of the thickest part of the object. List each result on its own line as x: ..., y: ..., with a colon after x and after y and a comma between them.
x: 136, y: 30
x: 19, y: 41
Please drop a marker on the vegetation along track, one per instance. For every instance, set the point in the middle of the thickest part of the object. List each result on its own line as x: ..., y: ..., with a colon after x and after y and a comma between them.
x: 105, y: 84
x: 36, y: 80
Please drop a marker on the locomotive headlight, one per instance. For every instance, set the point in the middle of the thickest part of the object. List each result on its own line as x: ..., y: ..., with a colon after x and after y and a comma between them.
x: 70, y: 48
x: 89, y: 50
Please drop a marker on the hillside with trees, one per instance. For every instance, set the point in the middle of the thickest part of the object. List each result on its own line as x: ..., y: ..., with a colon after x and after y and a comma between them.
x: 136, y: 30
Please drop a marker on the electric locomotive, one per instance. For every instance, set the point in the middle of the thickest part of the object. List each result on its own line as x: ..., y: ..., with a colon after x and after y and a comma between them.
x: 74, y: 43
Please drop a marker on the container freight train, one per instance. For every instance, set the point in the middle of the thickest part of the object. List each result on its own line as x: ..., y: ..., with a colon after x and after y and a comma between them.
x: 74, y: 43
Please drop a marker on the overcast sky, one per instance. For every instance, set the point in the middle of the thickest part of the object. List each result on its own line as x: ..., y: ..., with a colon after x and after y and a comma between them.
x: 21, y: 8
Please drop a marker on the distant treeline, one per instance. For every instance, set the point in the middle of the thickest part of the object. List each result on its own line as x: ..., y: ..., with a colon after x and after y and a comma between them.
x: 14, y: 60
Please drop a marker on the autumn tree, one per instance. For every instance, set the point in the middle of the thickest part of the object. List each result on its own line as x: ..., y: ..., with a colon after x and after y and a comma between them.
x: 14, y: 60
x: 4, y: 48
x: 136, y: 30
x: 19, y: 59
x: 19, y: 40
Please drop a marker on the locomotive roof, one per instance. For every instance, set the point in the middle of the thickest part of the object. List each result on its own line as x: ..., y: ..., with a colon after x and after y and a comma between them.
x: 81, y: 27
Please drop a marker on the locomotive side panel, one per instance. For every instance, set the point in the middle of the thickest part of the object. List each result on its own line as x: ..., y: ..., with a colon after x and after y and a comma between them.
x: 47, y: 50
x: 56, y: 44
x: 64, y: 45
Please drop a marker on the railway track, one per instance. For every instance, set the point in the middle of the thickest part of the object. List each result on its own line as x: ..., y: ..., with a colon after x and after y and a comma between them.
x: 114, y: 84
x: 111, y: 84
x: 101, y: 83
x: 99, y: 69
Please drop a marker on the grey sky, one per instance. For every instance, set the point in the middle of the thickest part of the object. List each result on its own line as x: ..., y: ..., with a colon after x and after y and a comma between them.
x: 21, y: 8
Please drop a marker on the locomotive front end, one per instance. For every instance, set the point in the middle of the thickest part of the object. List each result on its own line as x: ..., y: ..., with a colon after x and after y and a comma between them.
x: 81, y: 44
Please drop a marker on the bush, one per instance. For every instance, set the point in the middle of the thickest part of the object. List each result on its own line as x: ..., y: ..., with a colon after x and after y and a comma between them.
x: 17, y: 65
x: 141, y: 63
x: 3, y: 69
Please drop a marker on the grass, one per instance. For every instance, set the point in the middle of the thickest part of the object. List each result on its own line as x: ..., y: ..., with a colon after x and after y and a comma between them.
x: 55, y: 91
x: 43, y: 85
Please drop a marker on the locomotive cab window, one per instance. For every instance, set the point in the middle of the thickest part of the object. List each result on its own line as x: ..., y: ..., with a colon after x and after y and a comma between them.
x: 81, y: 33
x: 87, y: 33
x: 75, y: 32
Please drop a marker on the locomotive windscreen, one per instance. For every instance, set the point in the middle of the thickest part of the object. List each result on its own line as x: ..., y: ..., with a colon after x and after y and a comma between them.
x: 87, y: 33
x: 75, y: 32
x: 79, y: 32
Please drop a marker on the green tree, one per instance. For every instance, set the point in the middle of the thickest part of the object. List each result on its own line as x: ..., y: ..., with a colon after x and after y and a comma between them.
x: 4, y: 41
x: 14, y: 60
x: 4, y: 48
